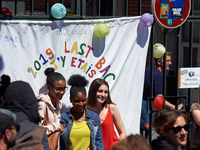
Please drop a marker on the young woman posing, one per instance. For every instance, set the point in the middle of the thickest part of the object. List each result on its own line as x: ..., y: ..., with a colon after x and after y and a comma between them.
x: 50, y: 102
x: 99, y: 101
x: 81, y: 127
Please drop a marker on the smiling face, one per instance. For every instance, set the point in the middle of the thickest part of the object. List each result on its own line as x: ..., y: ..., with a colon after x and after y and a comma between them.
x: 102, y: 94
x: 168, y: 62
x: 79, y: 102
x: 57, y: 90
x: 179, y: 138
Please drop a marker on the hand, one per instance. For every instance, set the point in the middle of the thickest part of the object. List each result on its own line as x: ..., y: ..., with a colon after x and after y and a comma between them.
x: 61, y: 127
x: 180, y: 106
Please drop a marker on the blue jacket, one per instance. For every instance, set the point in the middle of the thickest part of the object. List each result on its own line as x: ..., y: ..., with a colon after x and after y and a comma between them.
x: 94, y: 124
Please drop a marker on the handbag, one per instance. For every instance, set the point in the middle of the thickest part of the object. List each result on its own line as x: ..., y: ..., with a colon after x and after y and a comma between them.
x: 54, y: 136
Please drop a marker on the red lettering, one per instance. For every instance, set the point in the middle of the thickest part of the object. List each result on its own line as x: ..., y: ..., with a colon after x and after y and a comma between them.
x: 73, y: 61
x: 93, y: 72
x: 66, y: 51
x: 90, y: 48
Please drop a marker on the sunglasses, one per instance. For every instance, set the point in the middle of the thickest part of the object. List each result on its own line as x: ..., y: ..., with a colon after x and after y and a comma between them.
x: 177, y: 129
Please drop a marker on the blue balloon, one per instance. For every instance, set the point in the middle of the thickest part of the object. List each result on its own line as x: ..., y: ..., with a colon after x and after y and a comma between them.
x: 58, y: 10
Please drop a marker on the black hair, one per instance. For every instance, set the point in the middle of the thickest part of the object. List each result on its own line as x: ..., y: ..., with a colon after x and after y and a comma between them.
x: 5, y: 82
x: 77, y: 83
x: 52, y: 76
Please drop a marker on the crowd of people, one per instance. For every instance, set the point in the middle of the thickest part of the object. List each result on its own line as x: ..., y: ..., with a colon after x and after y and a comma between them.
x: 94, y: 121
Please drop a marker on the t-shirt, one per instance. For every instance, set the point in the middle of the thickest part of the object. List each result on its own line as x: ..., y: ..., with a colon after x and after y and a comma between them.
x: 80, y: 136
x: 157, y: 83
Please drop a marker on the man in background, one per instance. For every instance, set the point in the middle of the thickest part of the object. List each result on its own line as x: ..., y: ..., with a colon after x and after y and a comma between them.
x: 157, y: 88
x: 8, y: 129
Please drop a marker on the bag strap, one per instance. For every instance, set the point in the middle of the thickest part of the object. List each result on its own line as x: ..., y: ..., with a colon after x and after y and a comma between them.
x: 46, y: 117
x: 37, y: 134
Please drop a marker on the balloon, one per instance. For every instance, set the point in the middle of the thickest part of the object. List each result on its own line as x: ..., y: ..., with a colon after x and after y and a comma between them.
x: 6, y: 11
x: 158, y: 102
x: 101, y: 30
x: 58, y: 10
x: 146, y: 20
x: 158, y: 50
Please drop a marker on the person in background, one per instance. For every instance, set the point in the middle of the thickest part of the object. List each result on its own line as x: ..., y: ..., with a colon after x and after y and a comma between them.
x: 8, y: 129
x: 50, y: 102
x: 172, y: 126
x: 81, y: 127
x: 5, y: 81
x: 157, y: 88
x: 195, y: 119
x: 21, y: 100
x: 99, y: 101
x: 132, y: 142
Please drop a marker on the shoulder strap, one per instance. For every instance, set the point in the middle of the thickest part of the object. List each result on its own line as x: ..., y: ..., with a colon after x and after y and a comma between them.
x: 46, y: 117
x: 37, y: 134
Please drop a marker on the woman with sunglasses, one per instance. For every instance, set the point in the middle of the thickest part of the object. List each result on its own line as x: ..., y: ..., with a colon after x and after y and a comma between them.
x: 49, y: 103
x: 82, y: 129
x: 195, y: 119
x: 172, y: 127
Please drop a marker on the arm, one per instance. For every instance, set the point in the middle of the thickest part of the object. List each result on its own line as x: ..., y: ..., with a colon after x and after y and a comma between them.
x: 169, y: 105
x: 52, y: 126
x: 159, y: 91
x: 118, y: 121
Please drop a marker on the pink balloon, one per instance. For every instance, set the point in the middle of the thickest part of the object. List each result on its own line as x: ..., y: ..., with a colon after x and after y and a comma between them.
x: 146, y: 20
x: 158, y: 103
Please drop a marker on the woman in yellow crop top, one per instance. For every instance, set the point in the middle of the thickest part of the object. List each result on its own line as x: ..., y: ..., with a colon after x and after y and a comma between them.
x: 82, y: 129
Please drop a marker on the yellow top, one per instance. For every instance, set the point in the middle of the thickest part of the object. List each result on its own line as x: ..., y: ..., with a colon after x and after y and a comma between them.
x: 80, y: 136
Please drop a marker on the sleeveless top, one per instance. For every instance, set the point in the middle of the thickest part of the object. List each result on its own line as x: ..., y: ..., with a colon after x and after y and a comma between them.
x: 108, y: 133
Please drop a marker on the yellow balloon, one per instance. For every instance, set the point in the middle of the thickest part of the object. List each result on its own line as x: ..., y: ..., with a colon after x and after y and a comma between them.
x: 101, y: 30
x: 158, y: 50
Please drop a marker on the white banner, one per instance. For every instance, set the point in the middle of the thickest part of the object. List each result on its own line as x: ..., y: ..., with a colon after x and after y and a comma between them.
x: 29, y: 47
x: 189, y: 77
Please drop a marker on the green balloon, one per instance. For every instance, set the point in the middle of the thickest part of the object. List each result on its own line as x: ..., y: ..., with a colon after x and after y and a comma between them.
x: 158, y: 50
x: 101, y: 30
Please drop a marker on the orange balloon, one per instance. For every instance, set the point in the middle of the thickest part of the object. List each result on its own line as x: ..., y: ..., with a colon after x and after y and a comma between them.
x: 158, y: 103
